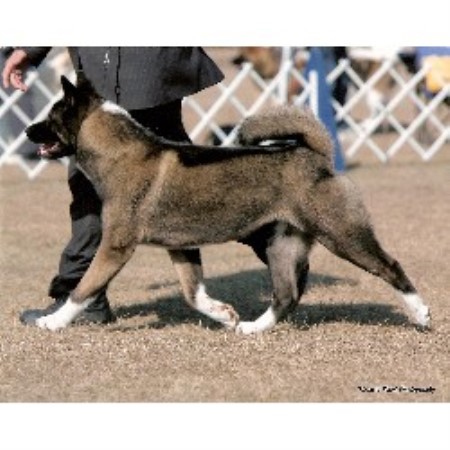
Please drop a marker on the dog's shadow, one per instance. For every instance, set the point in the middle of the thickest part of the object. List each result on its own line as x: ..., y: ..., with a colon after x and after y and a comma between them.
x: 249, y: 294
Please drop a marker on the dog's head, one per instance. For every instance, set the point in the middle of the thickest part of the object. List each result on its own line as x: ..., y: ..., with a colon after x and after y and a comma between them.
x: 57, y: 134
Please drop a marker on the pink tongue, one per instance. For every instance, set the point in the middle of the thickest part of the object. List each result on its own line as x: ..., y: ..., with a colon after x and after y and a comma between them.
x: 43, y: 150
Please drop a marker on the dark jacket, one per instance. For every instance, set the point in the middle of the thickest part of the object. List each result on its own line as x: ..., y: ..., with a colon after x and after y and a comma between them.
x: 145, y: 76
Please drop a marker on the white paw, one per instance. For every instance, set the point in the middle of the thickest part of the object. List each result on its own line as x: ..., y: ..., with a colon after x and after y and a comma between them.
x: 247, y: 328
x: 418, y: 309
x: 62, y: 317
x: 422, y: 316
x: 215, y: 309
x: 50, y: 322
x: 263, y: 323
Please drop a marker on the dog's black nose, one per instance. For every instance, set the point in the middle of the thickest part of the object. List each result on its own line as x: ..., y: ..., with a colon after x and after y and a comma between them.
x: 36, y: 133
x: 29, y: 131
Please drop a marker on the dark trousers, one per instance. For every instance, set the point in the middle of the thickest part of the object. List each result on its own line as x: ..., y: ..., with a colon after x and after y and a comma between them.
x: 85, y: 209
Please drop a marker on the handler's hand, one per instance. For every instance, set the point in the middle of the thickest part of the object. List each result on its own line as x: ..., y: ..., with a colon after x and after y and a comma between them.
x: 14, y: 68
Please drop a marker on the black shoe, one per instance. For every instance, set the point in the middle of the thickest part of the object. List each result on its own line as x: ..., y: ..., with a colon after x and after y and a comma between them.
x: 97, y: 313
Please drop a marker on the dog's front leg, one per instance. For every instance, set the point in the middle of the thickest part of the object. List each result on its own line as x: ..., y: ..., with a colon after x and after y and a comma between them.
x: 188, y: 265
x: 105, y: 265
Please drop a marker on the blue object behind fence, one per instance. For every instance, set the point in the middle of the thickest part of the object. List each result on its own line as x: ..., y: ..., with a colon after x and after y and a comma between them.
x: 324, y: 108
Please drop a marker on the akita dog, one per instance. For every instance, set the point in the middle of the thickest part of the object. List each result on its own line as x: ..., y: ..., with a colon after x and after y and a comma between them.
x: 276, y: 192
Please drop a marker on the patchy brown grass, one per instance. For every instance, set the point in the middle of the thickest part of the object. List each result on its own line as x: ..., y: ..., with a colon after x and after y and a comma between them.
x: 350, y: 329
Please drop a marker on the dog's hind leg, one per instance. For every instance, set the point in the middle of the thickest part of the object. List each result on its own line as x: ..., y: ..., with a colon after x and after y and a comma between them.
x: 344, y: 228
x: 287, y: 257
x: 107, y: 262
x: 188, y: 266
x: 363, y: 250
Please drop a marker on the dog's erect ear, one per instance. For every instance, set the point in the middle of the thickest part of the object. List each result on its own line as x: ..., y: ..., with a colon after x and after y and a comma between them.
x: 68, y: 88
x: 84, y: 85
x: 82, y: 79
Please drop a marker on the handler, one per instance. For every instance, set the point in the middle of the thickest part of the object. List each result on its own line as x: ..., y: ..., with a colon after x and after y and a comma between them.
x: 150, y: 82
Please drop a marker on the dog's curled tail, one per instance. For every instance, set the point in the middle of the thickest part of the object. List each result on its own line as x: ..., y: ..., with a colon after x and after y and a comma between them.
x: 286, y: 122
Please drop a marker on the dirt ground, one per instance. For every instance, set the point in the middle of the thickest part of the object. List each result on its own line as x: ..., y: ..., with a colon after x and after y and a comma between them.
x: 348, y: 341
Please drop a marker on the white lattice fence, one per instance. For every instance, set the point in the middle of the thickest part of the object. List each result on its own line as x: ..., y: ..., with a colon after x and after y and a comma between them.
x: 413, y: 116
x: 411, y: 121
x: 403, y: 115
